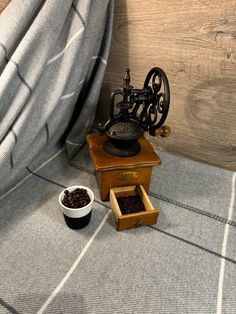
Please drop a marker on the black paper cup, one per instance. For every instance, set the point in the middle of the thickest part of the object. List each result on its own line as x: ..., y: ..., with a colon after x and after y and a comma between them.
x: 77, y: 218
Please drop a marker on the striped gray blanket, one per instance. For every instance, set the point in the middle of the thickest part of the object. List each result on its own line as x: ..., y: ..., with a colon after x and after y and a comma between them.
x: 53, y: 56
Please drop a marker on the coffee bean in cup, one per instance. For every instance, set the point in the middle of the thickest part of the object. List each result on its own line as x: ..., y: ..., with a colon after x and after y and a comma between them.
x: 76, y: 199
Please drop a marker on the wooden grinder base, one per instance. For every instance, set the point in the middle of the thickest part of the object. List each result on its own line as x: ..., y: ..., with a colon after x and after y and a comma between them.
x: 114, y: 171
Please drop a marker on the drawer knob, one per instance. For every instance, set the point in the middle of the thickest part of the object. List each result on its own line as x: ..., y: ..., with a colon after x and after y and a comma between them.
x: 139, y: 224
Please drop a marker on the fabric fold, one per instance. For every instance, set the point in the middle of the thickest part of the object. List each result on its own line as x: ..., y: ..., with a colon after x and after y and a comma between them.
x: 52, y: 61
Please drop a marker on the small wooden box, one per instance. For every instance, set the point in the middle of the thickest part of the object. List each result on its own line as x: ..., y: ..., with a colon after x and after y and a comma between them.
x: 138, y: 219
x: 114, y: 171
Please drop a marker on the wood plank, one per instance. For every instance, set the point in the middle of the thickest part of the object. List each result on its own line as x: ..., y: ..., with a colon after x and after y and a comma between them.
x: 3, y: 4
x: 195, y: 44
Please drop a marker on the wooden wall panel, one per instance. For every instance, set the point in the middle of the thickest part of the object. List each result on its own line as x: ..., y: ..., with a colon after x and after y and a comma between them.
x: 3, y: 4
x: 195, y: 44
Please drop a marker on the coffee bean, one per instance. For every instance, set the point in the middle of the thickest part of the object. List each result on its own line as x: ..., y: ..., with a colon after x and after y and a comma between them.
x: 76, y: 199
x: 130, y: 204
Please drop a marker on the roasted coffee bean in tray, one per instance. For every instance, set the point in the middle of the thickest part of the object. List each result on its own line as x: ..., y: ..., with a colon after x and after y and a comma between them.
x: 76, y: 199
x: 130, y: 204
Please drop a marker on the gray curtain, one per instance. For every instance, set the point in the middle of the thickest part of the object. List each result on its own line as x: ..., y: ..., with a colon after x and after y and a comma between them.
x: 53, y: 55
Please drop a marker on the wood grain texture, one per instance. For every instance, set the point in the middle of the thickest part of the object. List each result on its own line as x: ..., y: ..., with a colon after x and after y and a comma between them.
x: 3, y: 4
x: 132, y: 220
x: 194, y: 42
x: 116, y: 172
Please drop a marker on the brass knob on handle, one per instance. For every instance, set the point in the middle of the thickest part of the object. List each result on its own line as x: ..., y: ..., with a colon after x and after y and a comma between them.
x: 164, y: 131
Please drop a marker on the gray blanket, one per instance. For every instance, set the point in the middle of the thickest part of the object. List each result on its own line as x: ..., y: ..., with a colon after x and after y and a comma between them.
x: 53, y: 56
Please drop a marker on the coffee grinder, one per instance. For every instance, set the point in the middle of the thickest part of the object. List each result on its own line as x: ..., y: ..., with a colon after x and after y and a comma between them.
x: 121, y: 154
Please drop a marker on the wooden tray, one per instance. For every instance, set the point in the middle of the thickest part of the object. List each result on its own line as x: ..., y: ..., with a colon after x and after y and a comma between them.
x: 138, y: 219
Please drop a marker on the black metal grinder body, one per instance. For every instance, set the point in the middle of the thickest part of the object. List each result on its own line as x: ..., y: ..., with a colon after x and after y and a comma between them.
x: 139, y: 110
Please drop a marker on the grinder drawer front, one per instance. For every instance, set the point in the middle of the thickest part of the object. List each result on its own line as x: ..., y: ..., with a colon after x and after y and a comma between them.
x: 125, y: 218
